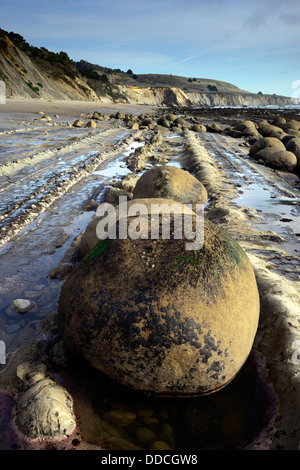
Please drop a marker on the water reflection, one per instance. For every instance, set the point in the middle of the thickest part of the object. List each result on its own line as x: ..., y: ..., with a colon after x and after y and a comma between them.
x: 117, y: 418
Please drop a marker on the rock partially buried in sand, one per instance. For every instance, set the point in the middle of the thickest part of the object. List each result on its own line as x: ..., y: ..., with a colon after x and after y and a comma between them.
x: 161, y: 319
x: 22, y: 305
x: 172, y: 183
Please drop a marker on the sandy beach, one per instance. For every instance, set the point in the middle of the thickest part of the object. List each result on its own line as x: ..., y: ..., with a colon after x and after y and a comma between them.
x: 65, y: 107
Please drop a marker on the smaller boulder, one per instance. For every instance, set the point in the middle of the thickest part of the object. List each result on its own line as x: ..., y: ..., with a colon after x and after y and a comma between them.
x: 266, y: 142
x: 282, y: 160
x: 45, y: 409
x: 97, y: 115
x: 172, y: 183
x: 198, y: 128
x: 213, y: 128
x: 120, y: 115
x: 91, y: 124
x: 78, y: 123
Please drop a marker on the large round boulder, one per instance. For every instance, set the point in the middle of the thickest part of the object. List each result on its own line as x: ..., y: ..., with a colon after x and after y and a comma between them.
x: 172, y: 183
x: 282, y: 160
x: 160, y: 318
x: 266, y: 142
x: 90, y: 237
x: 279, y: 121
x: 264, y: 154
x: 266, y: 129
x: 242, y: 125
x: 247, y: 129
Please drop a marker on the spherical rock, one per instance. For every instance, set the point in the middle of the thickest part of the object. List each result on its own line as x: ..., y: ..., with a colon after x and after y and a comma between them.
x: 214, y: 128
x: 198, y: 128
x: 251, y: 132
x: 264, y: 154
x: 120, y: 418
x: 293, y: 144
x: 282, y: 160
x: 266, y: 129
x: 159, y: 445
x: 172, y: 183
x: 160, y: 318
x: 164, y: 122
x: 171, y: 117
x: 292, y: 124
x: 180, y: 121
x: 279, y: 121
x: 242, y: 125
x: 265, y: 142
x: 90, y: 238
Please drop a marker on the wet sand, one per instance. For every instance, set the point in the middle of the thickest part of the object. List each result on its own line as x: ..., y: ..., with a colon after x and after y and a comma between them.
x: 246, y: 199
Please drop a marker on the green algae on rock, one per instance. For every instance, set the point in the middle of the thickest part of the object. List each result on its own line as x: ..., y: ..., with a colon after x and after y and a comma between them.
x: 160, y: 320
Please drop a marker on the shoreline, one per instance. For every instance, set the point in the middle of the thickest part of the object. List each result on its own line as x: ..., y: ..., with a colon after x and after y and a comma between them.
x: 69, y: 107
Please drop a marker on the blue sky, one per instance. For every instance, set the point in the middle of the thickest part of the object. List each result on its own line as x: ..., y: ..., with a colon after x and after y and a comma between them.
x: 254, y: 44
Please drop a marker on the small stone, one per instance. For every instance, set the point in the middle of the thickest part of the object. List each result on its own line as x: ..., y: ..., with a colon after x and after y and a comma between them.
x: 78, y: 123
x: 13, y: 328
x: 44, y: 410
x: 91, y: 124
x: 159, y: 445
x: 144, y: 435
x: 145, y: 412
x: 46, y: 118
x: 22, y: 305
x: 120, y: 418
x: 166, y: 430
x: 150, y: 420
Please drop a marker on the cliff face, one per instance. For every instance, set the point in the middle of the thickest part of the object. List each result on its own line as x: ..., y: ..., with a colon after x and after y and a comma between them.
x: 30, y: 72
x: 237, y: 99
x: 24, y: 79
x: 166, y: 96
